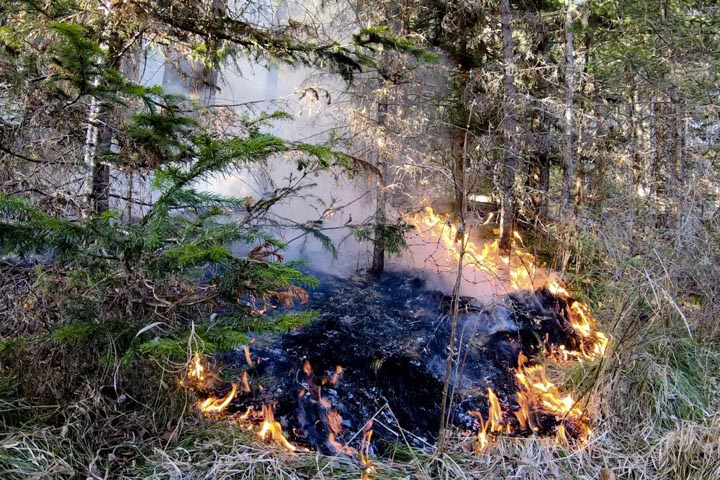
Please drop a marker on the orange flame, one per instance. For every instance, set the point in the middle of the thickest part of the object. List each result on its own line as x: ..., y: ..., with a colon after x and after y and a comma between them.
x: 517, y: 272
x: 271, y: 428
x: 335, y: 377
x: 538, y: 394
x: 365, y: 445
x: 594, y: 342
x: 536, y: 397
x: 339, y: 446
x: 196, y: 370
x: 307, y: 368
x: 248, y: 358
x: 245, y: 383
x: 484, y: 259
x: 217, y: 405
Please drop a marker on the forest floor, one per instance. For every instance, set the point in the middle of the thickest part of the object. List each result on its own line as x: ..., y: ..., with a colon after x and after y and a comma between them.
x: 655, y: 404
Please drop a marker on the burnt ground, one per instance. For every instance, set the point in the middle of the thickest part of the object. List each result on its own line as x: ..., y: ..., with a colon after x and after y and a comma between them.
x: 390, y: 336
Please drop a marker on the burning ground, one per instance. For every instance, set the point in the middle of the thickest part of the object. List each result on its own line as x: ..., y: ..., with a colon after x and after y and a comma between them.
x: 369, y: 372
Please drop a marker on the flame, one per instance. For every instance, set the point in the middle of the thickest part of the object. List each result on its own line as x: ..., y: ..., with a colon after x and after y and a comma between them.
x: 365, y: 445
x: 517, y: 272
x: 271, y: 428
x: 484, y: 259
x: 196, y: 370
x: 594, y: 342
x: 483, y: 440
x: 307, y: 368
x: 335, y: 377
x: 495, y: 413
x: 537, y: 399
x: 538, y: 394
x: 339, y: 446
x: 330, y: 417
x: 334, y: 420
x: 248, y: 358
x: 217, y: 405
x: 245, y: 383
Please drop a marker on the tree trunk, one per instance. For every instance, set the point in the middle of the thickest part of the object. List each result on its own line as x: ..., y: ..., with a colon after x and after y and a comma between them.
x: 510, y: 131
x: 568, y: 147
x: 98, y: 138
x: 378, y: 263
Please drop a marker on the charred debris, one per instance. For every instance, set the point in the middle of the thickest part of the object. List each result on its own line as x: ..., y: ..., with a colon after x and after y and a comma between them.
x: 368, y: 373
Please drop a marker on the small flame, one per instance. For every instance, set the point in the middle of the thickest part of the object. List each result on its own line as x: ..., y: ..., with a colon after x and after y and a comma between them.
x: 495, y: 413
x: 538, y: 394
x: 307, y: 368
x: 536, y: 397
x: 369, y: 471
x: 335, y: 377
x: 365, y: 445
x: 339, y: 446
x: 248, y: 358
x: 217, y: 405
x: 196, y: 370
x: 245, y: 383
x: 334, y: 420
x: 494, y: 423
x: 594, y: 342
x: 271, y: 428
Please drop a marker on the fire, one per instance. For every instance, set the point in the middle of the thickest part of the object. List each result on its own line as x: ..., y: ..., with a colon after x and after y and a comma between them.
x: 484, y: 260
x: 271, y: 428
x: 494, y: 423
x: 538, y: 394
x: 330, y: 417
x: 339, y: 446
x: 495, y: 413
x: 248, y: 358
x: 335, y: 377
x: 196, y: 370
x: 217, y: 405
x: 245, y: 383
x: 537, y: 397
x: 594, y: 342
x: 365, y: 445
x: 538, y: 406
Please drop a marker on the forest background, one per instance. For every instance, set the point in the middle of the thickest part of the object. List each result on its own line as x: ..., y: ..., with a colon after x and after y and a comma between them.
x: 591, y: 126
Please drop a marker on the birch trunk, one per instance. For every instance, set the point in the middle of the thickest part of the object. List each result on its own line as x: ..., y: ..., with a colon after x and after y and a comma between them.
x: 98, y: 137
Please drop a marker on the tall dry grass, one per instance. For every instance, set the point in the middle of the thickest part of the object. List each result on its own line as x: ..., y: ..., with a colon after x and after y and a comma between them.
x: 654, y: 397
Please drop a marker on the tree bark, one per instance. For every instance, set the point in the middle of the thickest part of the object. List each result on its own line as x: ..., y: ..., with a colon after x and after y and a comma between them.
x: 510, y: 131
x: 98, y: 139
x: 378, y: 262
x: 568, y: 147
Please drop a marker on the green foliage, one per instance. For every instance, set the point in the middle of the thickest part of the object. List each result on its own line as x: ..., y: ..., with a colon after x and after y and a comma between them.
x: 278, y: 323
x: 392, y: 234
x: 25, y: 228
x: 78, y: 332
x: 374, y: 38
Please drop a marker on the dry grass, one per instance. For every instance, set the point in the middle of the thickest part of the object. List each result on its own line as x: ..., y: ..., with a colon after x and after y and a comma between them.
x: 654, y: 398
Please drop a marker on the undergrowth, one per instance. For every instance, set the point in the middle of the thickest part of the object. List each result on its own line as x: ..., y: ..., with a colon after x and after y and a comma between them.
x: 654, y: 399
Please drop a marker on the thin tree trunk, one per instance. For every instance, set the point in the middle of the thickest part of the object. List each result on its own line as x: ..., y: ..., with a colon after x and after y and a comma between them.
x: 568, y: 150
x: 98, y: 138
x: 378, y: 262
x: 510, y: 130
